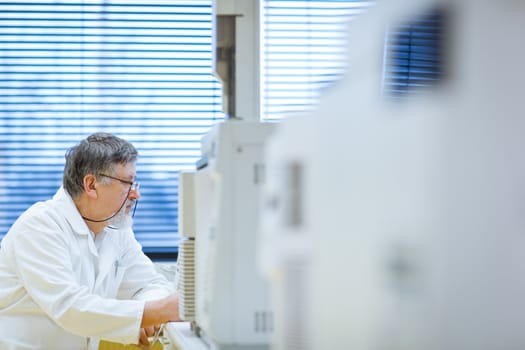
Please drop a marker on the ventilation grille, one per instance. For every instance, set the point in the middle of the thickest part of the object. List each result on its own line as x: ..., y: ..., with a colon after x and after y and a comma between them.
x: 186, y: 279
x: 296, y: 303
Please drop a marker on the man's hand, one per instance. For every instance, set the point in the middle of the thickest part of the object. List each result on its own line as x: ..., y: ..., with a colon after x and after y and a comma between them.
x: 160, y: 311
x: 145, y: 333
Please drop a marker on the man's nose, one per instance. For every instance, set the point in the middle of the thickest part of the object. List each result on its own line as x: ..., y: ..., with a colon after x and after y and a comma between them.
x: 134, y: 194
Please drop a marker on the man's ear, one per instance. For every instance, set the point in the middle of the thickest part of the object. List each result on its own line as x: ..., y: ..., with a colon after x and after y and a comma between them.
x: 90, y: 185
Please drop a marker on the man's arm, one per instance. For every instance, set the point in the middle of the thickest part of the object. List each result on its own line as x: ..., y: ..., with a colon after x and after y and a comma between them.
x: 141, y: 280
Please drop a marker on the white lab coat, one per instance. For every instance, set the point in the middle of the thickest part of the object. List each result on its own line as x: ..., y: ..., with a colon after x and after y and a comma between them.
x: 59, y: 289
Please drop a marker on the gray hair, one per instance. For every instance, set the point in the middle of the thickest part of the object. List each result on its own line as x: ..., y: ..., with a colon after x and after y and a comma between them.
x: 97, y: 154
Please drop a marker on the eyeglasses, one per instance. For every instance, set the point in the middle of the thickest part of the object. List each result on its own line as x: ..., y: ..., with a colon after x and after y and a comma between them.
x: 133, y: 186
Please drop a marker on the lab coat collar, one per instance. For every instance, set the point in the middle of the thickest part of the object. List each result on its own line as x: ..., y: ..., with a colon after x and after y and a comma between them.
x: 71, y: 213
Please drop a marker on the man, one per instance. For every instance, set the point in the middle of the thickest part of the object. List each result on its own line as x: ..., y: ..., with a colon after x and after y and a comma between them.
x: 71, y: 271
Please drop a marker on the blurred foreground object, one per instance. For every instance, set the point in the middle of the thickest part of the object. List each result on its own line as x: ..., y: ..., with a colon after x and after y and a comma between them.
x: 399, y: 224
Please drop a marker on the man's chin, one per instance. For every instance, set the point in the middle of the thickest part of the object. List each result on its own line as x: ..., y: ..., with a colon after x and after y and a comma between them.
x: 121, y: 221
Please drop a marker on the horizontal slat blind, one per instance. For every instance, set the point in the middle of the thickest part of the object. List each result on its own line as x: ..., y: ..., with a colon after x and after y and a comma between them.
x: 304, y: 51
x: 415, y: 55
x: 138, y: 69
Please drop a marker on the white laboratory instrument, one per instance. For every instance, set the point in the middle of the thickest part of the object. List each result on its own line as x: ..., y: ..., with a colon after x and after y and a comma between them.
x: 408, y: 229
x: 232, y: 302
x: 230, y: 296
x: 236, y: 56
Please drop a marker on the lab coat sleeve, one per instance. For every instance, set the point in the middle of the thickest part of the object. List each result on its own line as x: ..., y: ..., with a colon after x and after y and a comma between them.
x: 141, y: 281
x: 44, y: 265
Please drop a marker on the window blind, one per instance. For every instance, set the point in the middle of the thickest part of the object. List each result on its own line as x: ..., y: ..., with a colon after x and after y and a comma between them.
x: 304, y: 52
x: 138, y: 69
x: 415, y: 59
